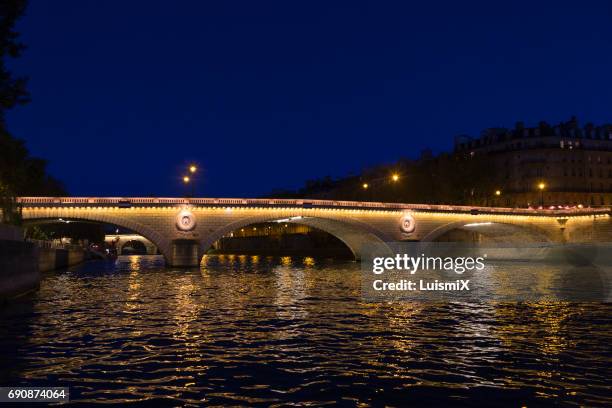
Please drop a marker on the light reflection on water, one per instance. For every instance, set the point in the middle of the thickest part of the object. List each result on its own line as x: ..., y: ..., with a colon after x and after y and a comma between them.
x: 264, y: 330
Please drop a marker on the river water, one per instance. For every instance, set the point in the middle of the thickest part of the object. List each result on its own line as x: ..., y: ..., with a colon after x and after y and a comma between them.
x: 276, y: 331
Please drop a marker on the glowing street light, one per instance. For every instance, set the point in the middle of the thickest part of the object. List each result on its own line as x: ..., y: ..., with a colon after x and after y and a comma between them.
x: 192, y: 169
x: 365, y: 186
x: 395, y: 177
x: 541, y: 187
x: 498, y: 192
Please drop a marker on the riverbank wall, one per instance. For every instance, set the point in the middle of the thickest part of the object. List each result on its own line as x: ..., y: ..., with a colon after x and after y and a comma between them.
x: 19, y: 271
x: 21, y: 261
x: 50, y: 258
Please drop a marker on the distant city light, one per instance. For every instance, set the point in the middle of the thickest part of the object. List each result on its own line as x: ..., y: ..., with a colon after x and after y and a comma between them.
x: 395, y: 177
x: 497, y: 192
x: 186, y: 179
x: 193, y: 168
x: 365, y: 186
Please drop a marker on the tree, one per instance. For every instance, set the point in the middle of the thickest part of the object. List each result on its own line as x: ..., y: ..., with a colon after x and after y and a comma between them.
x: 12, y: 90
x: 20, y: 174
x: 76, y: 230
x: 444, y: 179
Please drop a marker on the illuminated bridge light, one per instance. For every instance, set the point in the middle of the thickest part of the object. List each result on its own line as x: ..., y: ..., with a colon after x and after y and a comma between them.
x: 299, y: 217
x: 477, y: 224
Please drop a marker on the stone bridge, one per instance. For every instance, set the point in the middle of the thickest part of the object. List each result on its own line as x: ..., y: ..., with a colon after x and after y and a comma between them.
x: 183, y: 229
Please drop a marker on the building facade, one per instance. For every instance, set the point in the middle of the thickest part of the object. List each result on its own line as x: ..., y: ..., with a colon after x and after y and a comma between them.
x: 547, y: 165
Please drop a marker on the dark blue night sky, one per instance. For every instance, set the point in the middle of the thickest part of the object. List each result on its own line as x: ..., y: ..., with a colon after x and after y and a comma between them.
x: 265, y: 95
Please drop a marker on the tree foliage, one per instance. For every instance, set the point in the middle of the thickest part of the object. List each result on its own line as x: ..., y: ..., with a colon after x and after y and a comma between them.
x: 20, y: 174
x: 75, y: 230
x: 444, y: 179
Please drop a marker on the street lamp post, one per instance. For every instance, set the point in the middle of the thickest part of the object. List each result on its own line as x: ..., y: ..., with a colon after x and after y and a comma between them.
x: 497, y: 194
x: 365, y: 187
x: 192, y: 170
x: 394, y: 182
x: 541, y: 187
x: 186, y: 181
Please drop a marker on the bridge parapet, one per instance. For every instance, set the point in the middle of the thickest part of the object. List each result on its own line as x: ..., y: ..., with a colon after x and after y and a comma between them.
x: 301, y: 203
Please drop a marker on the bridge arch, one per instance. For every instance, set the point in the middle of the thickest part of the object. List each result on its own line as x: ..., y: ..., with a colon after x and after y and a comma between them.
x: 136, y: 244
x: 162, y: 243
x: 493, y: 229
x: 354, y: 234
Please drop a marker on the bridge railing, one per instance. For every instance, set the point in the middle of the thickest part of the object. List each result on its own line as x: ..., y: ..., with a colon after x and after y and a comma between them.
x: 165, y: 201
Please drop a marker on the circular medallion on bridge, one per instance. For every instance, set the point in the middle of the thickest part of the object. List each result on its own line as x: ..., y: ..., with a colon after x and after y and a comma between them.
x: 407, y: 224
x: 185, y: 220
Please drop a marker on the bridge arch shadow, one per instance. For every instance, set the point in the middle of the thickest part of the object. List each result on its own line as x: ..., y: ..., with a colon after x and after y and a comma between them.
x: 354, y: 234
x: 163, y: 245
x: 135, y: 245
x: 493, y: 232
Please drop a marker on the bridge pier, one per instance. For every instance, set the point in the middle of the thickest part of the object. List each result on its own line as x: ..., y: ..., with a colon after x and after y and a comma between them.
x: 185, y: 253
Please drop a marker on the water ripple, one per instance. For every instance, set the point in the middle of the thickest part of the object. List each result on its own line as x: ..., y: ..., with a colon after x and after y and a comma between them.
x: 274, y: 333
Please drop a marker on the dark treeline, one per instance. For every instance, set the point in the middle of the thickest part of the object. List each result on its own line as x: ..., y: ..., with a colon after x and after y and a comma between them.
x: 92, y: 232
x: 443, y: 179
x: 20, y: 173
